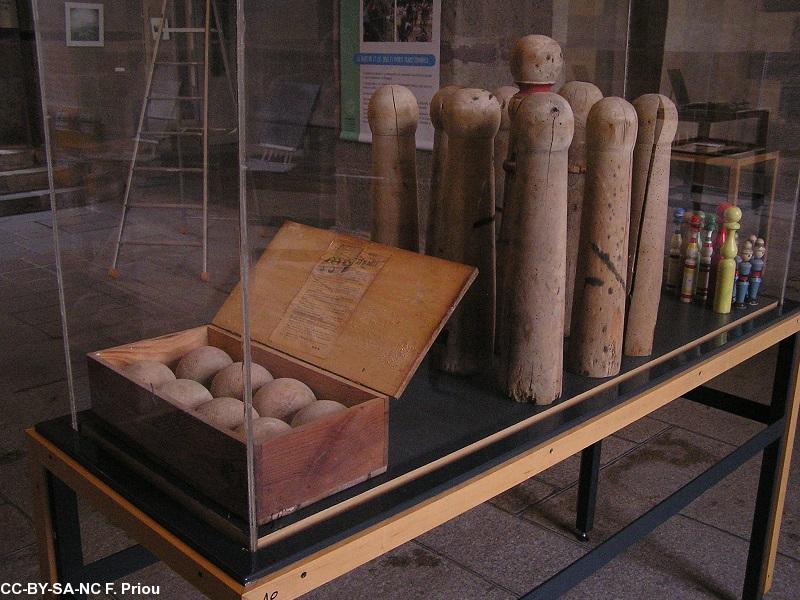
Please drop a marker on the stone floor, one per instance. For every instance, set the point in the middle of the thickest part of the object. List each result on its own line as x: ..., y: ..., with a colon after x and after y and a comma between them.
x: 498, y: 550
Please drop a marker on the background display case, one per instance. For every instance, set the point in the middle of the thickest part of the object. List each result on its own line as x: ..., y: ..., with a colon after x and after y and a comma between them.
x: 178, y: 148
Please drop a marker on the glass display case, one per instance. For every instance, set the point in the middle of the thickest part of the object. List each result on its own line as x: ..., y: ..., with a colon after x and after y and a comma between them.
x: 212, y: 172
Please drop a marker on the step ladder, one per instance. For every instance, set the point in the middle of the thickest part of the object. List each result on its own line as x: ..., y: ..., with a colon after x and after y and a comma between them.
x: 164, y: 100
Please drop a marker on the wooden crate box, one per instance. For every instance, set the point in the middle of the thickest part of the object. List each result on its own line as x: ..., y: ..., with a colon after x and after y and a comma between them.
x: 350, y: 318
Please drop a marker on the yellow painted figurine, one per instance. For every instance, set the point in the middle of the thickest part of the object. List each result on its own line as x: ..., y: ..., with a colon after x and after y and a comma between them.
x: 726, y: 269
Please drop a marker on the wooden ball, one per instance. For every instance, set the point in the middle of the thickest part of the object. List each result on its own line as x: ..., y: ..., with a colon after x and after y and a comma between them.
x: 186, y: 393
x: 393, y: 110
x: 149, y: 373
x: 282, y: 398
x: 201, y: 364
x: 229, y: 381
x: 536, y: 59
x: 225, y: 413
x: 265, y: 428
x: 317, y: 410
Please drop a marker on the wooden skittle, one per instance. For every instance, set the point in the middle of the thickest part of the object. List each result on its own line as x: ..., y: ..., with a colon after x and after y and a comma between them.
x: 581, y: 97
x: 503, y: 95
x: 598, y: 310
x: 531, y: 326
x: 536, y: 63
x: 657, y: 124
x: 470, y: 118
x: 437, y: 164
x: 393, y: 115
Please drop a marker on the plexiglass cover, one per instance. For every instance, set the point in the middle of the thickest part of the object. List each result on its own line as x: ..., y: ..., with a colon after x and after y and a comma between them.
x: 179, y: 144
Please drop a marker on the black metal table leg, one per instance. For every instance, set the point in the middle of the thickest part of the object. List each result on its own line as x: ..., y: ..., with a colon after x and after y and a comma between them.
x: 769, y: 479
x: 69, y: 548
x: 587, y: 490
x: 66, y: 533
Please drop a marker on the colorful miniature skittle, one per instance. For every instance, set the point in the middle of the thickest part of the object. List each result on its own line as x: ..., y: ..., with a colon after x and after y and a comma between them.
x: 743, y: 277
x: 689, y: 272
x: 755, y: 276
x: 675, y: 266
x: 723, y: 292
x: 719, y: 241
x: 692, y: 225
x: 704, y: 268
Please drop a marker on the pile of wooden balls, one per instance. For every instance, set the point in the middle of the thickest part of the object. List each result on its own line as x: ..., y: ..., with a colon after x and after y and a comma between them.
x: 208, y: 382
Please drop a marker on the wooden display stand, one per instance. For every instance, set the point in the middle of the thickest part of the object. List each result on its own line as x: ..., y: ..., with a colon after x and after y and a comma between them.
x: 330, y: 310
x: 734, y: 163
x: 441, y: 471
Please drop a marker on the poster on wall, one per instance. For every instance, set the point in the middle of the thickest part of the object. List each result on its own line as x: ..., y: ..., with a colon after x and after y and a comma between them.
x: 385, y: 42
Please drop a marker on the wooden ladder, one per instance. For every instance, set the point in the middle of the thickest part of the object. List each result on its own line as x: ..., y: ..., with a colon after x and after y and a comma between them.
x: 174, y: 99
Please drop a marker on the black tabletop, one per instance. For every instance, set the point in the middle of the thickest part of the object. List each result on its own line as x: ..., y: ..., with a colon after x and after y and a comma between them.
x: 436, y: 416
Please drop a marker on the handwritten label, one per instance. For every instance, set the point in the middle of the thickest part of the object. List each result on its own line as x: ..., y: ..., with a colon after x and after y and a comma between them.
x: 329, y: 297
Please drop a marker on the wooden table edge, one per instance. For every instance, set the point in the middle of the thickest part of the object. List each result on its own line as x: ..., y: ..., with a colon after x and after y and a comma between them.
x: 344, y: 556
x: 388, y: 486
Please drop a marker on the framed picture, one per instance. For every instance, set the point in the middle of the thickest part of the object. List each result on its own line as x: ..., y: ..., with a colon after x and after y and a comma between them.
x: 84, y: 23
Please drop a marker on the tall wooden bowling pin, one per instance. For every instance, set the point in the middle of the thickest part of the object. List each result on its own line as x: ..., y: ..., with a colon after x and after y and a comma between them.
x: 393, y: 114
x: 470, y: 118
x: 726, y: 268
x: 531, y: 326
x: 598, y: 310
x: 503, y: 95
x: 437, y: 165
x: 536, y: 63
x: 657, y: 124
x: 581, y: 97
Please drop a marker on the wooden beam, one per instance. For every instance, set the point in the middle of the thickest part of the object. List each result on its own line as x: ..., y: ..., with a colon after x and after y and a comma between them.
x: 42, y: 519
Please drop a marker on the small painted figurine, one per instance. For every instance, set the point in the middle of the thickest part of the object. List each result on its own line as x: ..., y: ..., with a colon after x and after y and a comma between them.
x: 723, y: 292
x: 689, y: 273
x: 687, y: 219
x: 692, y: 229
x: 719, y: 242
x: 704, y: 267
x: 674, y: 265
x: 738, y: 260
x: 711, y: 227
x: 755, y: 275
x: 743, y: 277
x: 702, y: 217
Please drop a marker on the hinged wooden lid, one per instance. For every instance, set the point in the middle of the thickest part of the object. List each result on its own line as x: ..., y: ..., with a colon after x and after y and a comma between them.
x: 361, y: 310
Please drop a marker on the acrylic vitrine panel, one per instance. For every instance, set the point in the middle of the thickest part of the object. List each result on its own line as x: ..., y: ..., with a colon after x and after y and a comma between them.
x: 128, y: 109
x: 725, y: 66
x: 140, y: 105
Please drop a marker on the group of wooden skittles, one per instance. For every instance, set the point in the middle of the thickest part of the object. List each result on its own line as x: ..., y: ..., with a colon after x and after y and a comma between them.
x: 703, y: 258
